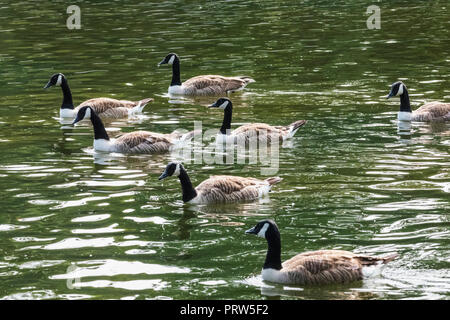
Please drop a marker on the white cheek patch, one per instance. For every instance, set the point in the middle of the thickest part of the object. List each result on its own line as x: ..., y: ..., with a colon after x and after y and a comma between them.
x: 400, y: 90
x: 223, y: 105
x: 58, y: 82
x: 172, y: 59
x: 87, y: 115
x: 262, y: 232
x: 177, y: 170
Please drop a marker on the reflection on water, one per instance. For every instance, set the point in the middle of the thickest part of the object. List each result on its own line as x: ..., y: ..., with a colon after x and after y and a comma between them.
x: 354, y: 177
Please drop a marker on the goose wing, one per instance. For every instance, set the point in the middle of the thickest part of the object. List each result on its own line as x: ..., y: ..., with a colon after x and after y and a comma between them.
x: 323, y: 267
x: 262, y: 130
x: 143, y: 142
x: 214, y: 84
x: 230, y: 188
x: 435, y: 110
x: 113, y: 108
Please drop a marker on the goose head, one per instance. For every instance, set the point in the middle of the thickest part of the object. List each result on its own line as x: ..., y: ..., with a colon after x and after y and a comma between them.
x: 397, y: 89
x: 173, y: 168
x: 84, y: 113
x: 266, y: 229
x: 222, y: 103
x: 55, y: 80
x: 169, y: 59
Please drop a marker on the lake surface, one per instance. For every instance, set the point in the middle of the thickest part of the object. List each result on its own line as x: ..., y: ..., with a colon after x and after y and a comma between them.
x: 76, y: 224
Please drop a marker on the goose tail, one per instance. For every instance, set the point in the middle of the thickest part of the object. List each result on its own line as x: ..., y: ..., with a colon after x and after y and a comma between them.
x: 187, y: 136
x: 273, y: 180
x: 368, y: 260
x: 293, y: 127
x: 140, y: 105
x: 247, y: 80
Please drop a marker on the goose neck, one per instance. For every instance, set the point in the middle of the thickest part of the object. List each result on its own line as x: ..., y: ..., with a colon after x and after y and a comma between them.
x: 67, y: 95
x: 189, y: 192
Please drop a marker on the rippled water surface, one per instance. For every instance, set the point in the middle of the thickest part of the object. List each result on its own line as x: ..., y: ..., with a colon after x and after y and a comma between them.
x: 76, y: 224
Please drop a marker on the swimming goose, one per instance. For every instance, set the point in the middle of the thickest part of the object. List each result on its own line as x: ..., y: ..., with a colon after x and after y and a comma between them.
x: 313, y: 267
x: 264, y: 131
x: 219, y: 188
x: 432, y: 111
x: 104, y: 107
x: 205, y: 85
x: 132, y: 142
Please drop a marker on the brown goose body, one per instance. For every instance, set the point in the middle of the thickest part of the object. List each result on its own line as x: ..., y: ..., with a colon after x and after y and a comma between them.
x: 327, y: 267
x: 314, y: 267
x: 265, y: 132
x: 145, y: 142
x: 232, y: 189
x: 432, y: 111
x: 112, y: 108
x: 210, y: 85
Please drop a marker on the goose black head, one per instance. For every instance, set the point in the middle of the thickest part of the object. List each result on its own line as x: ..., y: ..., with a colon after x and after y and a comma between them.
x: 397, y: 89
x: 264, y: 229
x: 84, y: 113
x: 169, y: 59
x: 173, y: 168
x: 55, y: 80
x: 222, y: 103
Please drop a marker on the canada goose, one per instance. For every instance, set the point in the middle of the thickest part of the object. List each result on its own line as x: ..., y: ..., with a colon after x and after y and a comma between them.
x: 132, y: 142
x: 264, y: 131
x: 205, y: 85
x: 432, y: 111
x: 219, y: 188
x: 104, y: 107
x: 313, y: 267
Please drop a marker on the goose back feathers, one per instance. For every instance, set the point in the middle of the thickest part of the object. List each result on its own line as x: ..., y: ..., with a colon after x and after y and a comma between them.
x: 204, y: 85
x: 218, y: 189
x: 314, y: 267
x: 432, y: 111
x: 104, y: 107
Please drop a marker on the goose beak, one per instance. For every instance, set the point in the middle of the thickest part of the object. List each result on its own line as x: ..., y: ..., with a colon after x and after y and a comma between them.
x: 214, y: 105
x: 77, y: 119
x: 390, y: 95
x: 251, y: 231
x: 162, y: 62
x: 48, y: 85
x: 163, y: 176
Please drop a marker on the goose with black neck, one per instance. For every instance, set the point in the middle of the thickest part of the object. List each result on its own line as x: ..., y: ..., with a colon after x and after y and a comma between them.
x: 265, y: 133
x: 432, y: 111
x: 204, y: 85
x: 219, y: 189
x: 314, y: 267
x: 132, y: 142
x: 104, y: 107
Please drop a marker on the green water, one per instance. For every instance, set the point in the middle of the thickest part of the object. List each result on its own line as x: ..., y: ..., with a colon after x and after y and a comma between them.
x: 352, y: 179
